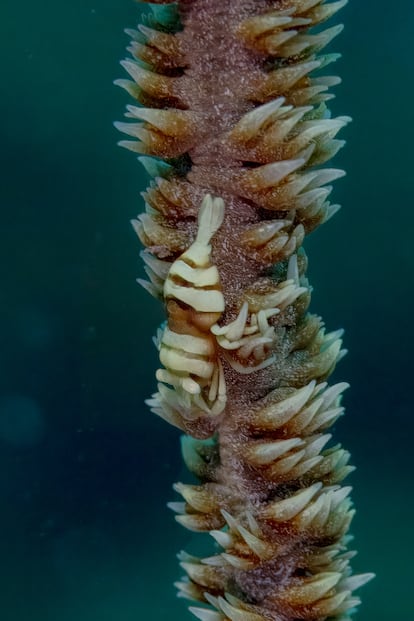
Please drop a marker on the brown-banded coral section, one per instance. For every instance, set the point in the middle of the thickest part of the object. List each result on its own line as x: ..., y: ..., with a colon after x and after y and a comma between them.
x: 232, y: 126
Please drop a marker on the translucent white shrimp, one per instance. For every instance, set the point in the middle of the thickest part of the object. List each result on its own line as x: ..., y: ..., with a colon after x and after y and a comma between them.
x: 195, y: 301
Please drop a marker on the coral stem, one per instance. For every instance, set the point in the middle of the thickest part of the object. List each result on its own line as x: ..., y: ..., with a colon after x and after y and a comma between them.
x: 232, y: 100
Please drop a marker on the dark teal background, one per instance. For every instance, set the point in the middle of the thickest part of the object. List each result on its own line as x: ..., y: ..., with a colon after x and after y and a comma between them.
x: 85, y: 469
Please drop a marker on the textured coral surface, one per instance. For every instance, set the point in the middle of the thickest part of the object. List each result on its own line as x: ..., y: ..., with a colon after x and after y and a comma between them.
x: 233, y: 126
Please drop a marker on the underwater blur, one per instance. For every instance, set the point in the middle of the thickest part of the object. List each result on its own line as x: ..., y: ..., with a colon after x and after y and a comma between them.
x: 85, y: 468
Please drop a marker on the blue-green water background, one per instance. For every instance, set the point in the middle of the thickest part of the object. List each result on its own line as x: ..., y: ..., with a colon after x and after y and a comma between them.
x: 85, y: 469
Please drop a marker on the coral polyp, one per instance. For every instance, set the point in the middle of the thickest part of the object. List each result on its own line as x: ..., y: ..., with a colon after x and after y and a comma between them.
x: 233, y: 126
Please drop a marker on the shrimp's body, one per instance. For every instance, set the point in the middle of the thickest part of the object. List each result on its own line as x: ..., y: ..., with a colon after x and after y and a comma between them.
x: 194, y: 300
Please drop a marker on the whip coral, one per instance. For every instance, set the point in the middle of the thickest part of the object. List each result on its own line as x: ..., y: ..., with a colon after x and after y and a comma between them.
x: 233, y: 127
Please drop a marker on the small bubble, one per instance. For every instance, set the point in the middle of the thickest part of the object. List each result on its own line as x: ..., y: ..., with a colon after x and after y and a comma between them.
x: 21, y: 421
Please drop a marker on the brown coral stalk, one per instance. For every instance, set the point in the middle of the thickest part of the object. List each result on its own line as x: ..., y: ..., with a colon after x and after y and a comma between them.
x: 233, y: 101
